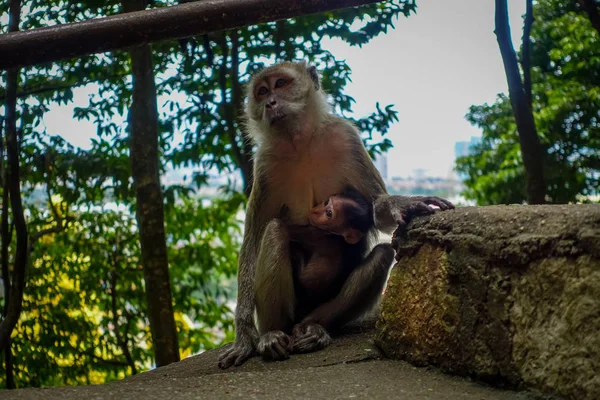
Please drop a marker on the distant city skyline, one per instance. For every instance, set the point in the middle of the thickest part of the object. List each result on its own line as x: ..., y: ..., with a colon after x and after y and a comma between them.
x: 381, y: 163
x: 462, y: 149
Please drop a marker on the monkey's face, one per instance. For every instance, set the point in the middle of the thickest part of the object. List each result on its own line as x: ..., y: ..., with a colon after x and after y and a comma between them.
x: 329, y: 215
x: 279, y: 96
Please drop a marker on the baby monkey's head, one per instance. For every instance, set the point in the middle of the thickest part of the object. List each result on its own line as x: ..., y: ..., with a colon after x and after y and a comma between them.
x: 348, y: 214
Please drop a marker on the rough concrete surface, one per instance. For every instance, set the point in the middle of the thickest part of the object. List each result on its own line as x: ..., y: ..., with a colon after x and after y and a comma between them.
x: 507, y: 294
x: 350, y: 368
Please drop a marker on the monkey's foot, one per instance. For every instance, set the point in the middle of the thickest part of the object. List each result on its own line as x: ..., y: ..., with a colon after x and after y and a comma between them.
x: 275, y: 345
x: 310, y: 336
x: 237, y: 354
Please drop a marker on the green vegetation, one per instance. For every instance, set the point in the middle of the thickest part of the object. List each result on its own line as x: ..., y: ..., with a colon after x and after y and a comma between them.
x: 565, y: 75
x: 85, y: 316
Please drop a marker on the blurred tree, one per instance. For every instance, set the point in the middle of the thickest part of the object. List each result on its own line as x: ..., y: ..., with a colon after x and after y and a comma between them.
x: 85, y: 317
x: 565, y: 75
x: 145, y: 171
x: 520, y: 100
x: 5, y: 239
x: 14, y: 281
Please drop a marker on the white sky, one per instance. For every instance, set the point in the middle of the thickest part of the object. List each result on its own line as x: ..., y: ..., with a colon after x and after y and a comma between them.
x: 432, y: 67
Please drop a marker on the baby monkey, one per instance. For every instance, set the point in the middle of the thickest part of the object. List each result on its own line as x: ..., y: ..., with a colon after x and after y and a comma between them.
x: 323, y: 251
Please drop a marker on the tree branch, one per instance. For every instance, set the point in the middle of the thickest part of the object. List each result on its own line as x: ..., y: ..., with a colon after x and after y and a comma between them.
x: 531, y: 148
x: 53, y: 209
x: 5, y: 233
x: 14, y: 185
x: 108, y: 362
x: 58, y: 85
x: 6, y: 236
x: 278, y: 38
x: 38, y: 235
x: 238, y: 104
x: 123, y: 342
x: 591, y: 8
x: 2, y: 170
x: 230, y: 110
x: 224, y: 105
x: 526, y: 52
x: 61, y: 222
x: 159, y: 24
x: 145, y: 171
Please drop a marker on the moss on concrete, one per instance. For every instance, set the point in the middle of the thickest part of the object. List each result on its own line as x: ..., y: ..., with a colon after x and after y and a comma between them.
x: 422, y: 329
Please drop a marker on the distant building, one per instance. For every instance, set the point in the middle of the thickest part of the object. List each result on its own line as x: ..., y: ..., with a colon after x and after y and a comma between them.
x: 462, y: 149
x: 423, y: 185
x: 420, y: 174
x: 381, y: 163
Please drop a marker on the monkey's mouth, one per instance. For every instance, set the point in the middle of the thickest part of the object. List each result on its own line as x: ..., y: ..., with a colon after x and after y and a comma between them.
x: 277, y: 118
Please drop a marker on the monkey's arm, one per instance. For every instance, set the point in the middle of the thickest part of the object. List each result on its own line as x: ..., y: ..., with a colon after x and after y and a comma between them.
x: 246, y: 332
x: 309, y: 236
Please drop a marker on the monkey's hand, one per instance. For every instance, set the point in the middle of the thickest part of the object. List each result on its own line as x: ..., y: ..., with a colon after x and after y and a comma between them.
x: 443, y: 204
x: 418, y: 206
x: 310, y: 336
x: 395, y: 212
x: 243, y: 348
x: 403, y: 209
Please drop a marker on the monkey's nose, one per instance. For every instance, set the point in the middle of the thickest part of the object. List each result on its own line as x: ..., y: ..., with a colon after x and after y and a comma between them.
x: 271, y: 103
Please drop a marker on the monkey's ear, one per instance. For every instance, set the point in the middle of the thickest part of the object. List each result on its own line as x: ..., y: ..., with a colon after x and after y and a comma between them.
x: 312, y: 72
x: 352, y: 236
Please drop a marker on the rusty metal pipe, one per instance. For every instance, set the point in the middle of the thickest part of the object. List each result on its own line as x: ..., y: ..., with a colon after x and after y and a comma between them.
x: 76, y: 39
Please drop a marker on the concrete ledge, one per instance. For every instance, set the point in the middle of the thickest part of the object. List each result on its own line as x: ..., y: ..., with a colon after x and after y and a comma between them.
x: 350, y: 368
x: 507, y: 294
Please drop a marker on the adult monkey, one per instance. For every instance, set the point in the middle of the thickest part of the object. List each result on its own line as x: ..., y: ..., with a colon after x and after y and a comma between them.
x: 305, y: 154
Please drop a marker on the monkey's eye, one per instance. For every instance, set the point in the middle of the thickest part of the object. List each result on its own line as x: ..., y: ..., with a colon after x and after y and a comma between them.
x: 326, y: 202
x: 262, y: 91
x: 328, y: 213
x: 279, y: 83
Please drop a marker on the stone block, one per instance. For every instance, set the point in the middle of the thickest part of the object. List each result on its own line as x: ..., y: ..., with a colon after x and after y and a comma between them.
x: 506, y: 294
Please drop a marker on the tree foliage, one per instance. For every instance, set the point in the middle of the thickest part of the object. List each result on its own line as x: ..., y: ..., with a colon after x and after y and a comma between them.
x: 84, y: 313
x: 565, y: 61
